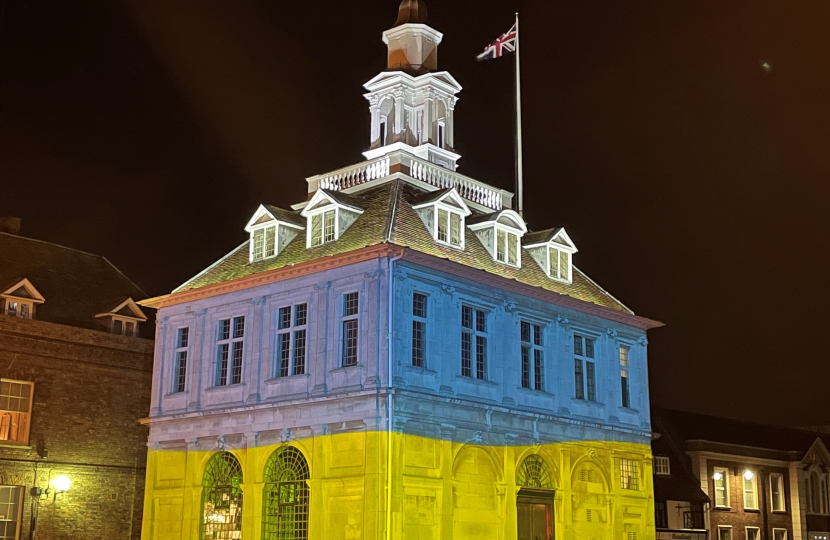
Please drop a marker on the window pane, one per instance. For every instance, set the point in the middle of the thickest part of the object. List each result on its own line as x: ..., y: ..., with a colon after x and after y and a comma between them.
x: 776, y: 482
x: 270, y: 241
x: 24, y: 311
x: 512, y: 248
x: 284, y: 348
x: 579, y: 389
x: 443, y: 224
x: 589, y: 348
x: 578, y: 345
x: 117, y: 327
x: 181, y: 370
x: 299, y: 352
x: 350, y: 342
x: 525, y: 332
x: 466, y: 316
x: 592, y: 381
x: 419, y: 305
x: 129, y: 328
x: 554, y: 262
x: 236, y: 374
x: 624, y: 356
x: 629, y: 474
x: 329, y: 226
x: 418, y: 343
x: 525, y: 366
x: 481, y: 357
x: 257, y: 249
x: 481, y: 321
x: 300, y: 314
x: 184, y: 335
x: 222, y: 364
x: 316, y: 230
x: 455, y: 229
x: 538, y: 360
x: 284, y: 318
x: 224, y: 329
x: 626, y: 399
x: 466, y: 354
x: 564, y: 265
x: 725, y: 533
x: 238, y: 327
x: 751, y: 534
x: 350, y: 304
x: 500, y: 245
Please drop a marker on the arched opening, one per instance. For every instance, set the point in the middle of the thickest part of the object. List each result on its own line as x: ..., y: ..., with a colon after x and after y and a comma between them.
x: 285, y: 497
x: 534, y: 503
x: 475, y: 501
x: 591, y: 515
x: 386, y: 121
x: 222, y: 498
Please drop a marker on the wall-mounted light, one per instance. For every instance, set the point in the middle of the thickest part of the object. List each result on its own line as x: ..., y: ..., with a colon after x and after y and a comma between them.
x: 749, y: 475
x: 718, y: 476
x: 61, y: 483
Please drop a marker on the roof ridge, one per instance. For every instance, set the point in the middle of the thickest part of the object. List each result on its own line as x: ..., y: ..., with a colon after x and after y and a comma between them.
x: 744, y: 422
x: 392, y: 213
x: 133, y: 283
x: 53, y: 244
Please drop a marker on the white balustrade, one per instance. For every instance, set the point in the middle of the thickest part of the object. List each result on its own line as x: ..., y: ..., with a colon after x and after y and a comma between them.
x: 354, y: 176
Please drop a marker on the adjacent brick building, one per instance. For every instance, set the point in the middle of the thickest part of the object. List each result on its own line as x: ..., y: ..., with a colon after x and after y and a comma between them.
x: 763, y: 482
x: 71, y: 394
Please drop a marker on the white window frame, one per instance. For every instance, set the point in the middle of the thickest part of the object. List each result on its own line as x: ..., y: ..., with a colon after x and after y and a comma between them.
x: 782, y: 498
x: 311, y: 210
x: 24, y: 441
x: 294, y: 332
x: 662, y: 466
x: 508, y: 232
x: 756, y: 529
x: 534, y: 350
x: 754, y: 483
x: 346, y: 317
x: 474, y: 336
x: 7, y: 506
x: 441, y: 134
x: 625, y: 376
x: 420, y: 322
x: 181, y: 349
x: 263, y: 250
x: 584, y: 360
x: 725, y: 528
x: 785, y: 533
x: 439, y: 207
x: 229, y: 341
x: 124, y: 322
x: 633, y: 480
x: 725, y: 472
x: 559, y: 249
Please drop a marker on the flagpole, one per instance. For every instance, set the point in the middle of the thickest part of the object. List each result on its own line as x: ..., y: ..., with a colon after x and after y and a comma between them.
x: 519, y: 186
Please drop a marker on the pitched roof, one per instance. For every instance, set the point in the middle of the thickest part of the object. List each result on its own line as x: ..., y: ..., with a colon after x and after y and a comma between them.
x: 539, y: 237
x: 724, y: 431
x: 75, y: 285
x: 681, y: 484
x: 288, y: 216
x: 390, y: 218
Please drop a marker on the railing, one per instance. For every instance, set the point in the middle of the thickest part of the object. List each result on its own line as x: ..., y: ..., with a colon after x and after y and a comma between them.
x: 468, y: 188
x: 419, y: 169
x: 355, y: 175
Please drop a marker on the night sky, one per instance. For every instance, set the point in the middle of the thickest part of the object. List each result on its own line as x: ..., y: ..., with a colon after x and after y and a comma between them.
x: 685, y: 146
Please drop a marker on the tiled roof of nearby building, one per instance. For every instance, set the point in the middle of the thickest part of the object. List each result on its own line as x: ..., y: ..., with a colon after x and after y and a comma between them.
x: 389, y: 218
x: 701, y: 427
x: 681, y: 484
x: 288, y: 216
x: 76, y: 285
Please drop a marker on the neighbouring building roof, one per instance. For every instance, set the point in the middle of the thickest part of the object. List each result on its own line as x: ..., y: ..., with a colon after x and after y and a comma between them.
x: 390, y: 218
x: 75, y: 285
x: 681, y: 484
x: 704, y: 432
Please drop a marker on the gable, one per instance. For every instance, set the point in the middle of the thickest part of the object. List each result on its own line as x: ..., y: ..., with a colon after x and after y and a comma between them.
x: 128, y: 308
x: 817, y: 453
x: 24, y: 289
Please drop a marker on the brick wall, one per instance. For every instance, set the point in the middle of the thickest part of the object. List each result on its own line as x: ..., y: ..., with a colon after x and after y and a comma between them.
x: 91, y: 388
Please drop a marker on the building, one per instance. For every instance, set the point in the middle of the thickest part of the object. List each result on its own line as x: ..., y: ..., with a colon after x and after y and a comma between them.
x: 398, y: 356
x: 75, y: 372
x: 763, y: 482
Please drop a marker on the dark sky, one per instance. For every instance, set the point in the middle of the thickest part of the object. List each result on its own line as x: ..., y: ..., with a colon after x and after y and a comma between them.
x: 693, y: 180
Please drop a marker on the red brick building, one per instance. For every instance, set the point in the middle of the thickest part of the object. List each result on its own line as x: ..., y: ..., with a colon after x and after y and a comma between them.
x: 75, y: 372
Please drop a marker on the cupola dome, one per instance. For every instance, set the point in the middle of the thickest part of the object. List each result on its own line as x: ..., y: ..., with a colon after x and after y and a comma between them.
x: 412, y: 11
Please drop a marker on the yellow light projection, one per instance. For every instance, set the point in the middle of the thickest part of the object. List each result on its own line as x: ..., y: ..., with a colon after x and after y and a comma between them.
x: 336, y: 487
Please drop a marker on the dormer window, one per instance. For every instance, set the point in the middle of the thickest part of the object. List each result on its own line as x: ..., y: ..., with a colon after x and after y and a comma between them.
x: 443, y: 212
x: 329, y: 214
x: 123, y: 319
x: 271, y: 229
x: 553, y: 250
x: 501, y: 233
x: 20, y: 299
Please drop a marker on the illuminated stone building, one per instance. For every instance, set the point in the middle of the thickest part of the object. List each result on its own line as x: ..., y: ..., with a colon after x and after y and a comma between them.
x: 398, y: 356
x: 75, y: 369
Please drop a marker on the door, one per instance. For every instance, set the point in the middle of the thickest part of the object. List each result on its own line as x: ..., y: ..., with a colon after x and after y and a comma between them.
x: 535, y: 520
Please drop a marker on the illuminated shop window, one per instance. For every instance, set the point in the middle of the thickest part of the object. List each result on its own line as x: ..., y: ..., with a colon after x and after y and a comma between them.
x: 291, y: 340
x: 285, y: 496
x: 533, y: 356
x: 15, y: 410
x: 222, y: 499
x: 230, y: 351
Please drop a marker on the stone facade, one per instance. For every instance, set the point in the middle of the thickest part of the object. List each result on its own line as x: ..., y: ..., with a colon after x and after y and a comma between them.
x: 90, y: 389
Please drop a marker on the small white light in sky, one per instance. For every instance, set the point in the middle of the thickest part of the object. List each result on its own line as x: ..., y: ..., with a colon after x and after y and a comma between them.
x: 766, y: 66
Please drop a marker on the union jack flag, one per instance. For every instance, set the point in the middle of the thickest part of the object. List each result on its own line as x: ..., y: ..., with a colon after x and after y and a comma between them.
x: 505, y: 43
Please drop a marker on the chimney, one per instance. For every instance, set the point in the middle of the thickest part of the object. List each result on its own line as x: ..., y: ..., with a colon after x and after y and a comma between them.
x: 10, y: 224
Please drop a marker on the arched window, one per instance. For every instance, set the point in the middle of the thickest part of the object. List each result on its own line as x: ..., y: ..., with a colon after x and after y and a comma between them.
x: 285, y: 496
x: 222, y: 498
x: 534, y: 473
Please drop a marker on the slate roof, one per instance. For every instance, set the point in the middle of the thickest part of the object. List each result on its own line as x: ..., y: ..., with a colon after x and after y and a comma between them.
x: 681, y: 484
x: 390, y: 218
x: 701, y: 427
x: 286, y: 215
x: 76, y: 285
x: 539, y: 237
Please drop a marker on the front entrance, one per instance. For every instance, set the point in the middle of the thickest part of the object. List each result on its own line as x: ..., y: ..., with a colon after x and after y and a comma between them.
x: 535, y: 517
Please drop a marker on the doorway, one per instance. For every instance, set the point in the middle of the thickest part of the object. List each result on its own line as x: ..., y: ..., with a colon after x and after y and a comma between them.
x: 534, y: 516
